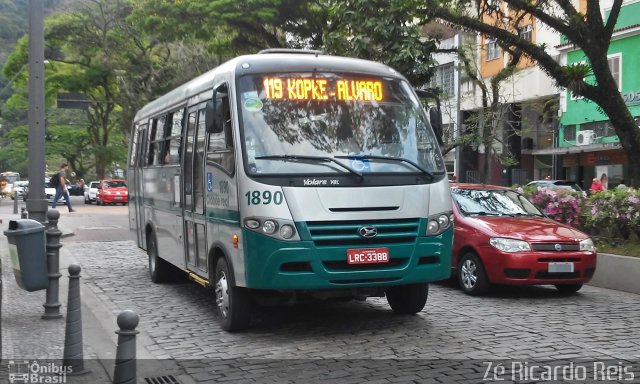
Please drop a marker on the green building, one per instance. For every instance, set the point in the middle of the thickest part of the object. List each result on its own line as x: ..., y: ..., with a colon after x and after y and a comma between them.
x: 586, y: 144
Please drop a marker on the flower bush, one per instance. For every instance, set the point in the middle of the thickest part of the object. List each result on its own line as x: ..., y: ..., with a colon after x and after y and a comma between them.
x: 611, y: 213
x: 559, y: 204
x: 617, y: 210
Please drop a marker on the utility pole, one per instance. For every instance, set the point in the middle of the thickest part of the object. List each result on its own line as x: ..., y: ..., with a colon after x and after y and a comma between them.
x: 37, y: 203
x: 458, y: 155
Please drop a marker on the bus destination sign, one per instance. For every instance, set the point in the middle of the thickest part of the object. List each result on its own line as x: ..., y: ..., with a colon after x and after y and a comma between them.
x: 302, y: 88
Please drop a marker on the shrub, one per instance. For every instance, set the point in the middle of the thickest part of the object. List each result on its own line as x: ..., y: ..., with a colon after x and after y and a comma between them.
x: 617, y: 210
x: 559, y: 204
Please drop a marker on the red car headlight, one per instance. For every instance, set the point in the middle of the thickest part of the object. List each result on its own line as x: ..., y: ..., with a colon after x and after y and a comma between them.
x: 510, y: 245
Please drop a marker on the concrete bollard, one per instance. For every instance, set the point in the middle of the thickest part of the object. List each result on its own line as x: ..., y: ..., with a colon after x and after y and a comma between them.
x: 23, y: 213
x: 15, y: 202
x: 125, y: 368
x: 73, y: 347
x: 52, y: 305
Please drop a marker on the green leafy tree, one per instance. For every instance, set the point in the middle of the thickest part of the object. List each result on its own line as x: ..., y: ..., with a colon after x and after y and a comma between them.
x: 589, y: 32
x: 97, y: 50
x: 233, y: 27
x: 381, y: 30
x: 63, y: 143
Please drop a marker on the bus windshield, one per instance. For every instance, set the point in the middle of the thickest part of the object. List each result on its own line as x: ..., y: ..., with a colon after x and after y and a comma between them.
x: 328, y: 123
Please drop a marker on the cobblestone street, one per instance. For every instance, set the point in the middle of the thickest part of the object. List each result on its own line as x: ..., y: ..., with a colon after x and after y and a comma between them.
x: 533, y: 323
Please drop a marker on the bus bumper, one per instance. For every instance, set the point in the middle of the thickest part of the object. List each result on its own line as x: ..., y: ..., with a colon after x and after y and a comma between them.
x: 300, y: 265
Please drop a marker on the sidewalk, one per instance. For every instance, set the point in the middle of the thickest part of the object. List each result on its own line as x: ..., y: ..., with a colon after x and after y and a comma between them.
x: 26, y: 337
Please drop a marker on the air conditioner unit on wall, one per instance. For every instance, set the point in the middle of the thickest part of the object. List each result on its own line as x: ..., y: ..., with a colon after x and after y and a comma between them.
x: 585, y: 137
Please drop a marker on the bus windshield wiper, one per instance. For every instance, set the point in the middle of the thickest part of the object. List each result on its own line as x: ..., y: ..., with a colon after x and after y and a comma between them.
x: 400, y: 159
x: 310, y: 159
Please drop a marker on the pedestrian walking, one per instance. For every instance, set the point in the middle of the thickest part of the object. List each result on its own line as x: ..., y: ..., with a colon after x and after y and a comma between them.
x: 59, y: 180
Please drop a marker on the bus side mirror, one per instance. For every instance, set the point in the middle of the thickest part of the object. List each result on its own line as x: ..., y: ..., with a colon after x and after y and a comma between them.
x: 435, y: 118
x: 213, y: 116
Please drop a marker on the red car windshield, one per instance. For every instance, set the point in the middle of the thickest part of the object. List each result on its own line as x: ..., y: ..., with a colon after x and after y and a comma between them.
x: 493, y: 203
x: 115, y: 184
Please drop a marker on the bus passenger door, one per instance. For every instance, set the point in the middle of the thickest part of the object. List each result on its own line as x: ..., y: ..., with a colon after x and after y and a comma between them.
x: 193, y: 198
x: 137, y: 181
x: 221, y: 186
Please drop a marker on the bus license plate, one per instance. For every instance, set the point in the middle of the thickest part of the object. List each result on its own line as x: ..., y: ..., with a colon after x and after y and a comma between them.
x: 367, y: 255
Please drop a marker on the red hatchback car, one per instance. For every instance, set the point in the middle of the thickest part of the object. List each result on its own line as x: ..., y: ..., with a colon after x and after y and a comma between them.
x: 501, y: 238
x: 112, y: 191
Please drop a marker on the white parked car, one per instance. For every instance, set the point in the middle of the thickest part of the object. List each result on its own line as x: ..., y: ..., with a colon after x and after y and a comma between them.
x: 49, y: 192
x: 90, y: 191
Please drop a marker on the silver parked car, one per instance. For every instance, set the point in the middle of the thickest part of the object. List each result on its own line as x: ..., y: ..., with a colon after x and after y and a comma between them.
x: 555, y: 184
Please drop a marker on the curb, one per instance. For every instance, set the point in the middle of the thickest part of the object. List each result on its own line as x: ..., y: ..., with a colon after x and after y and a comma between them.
x: 621, y: 273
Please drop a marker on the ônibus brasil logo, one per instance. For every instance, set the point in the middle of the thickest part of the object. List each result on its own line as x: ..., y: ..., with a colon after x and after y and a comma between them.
x: 24, y: 371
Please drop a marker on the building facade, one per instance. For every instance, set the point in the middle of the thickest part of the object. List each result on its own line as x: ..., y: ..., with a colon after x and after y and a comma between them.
x: 528, y: 103
x: 587, y: 143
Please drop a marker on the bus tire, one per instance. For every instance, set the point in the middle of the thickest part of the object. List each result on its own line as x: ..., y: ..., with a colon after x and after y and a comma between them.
x: 159, y: 270
x: 233, y: 303
x: 407, y: 299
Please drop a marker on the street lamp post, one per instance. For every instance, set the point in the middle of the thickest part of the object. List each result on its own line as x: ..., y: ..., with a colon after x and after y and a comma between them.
x: 36, y: 204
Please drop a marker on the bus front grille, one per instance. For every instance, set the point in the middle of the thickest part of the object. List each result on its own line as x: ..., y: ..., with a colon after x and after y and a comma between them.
x: 347, y: 233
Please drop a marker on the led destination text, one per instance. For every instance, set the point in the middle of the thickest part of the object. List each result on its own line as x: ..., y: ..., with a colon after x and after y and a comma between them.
x: 322, y: 89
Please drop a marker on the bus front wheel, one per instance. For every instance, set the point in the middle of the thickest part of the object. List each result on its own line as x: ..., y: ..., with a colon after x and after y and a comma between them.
x: 233, y: 303
x: 407, y: 299
x: 159, y: 270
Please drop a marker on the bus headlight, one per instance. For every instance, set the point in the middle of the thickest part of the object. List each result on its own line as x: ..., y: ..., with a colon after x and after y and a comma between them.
x: 281, y: 229
x: 432, y: 227
x: 443, y: 221
x: 439, y: 223
x: 269, y: 227
x: 252, y: 223
x: 286, y: 231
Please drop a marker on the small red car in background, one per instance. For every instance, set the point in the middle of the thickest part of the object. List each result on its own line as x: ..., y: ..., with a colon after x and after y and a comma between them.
x: 501, y: 238
x: 112, y: 191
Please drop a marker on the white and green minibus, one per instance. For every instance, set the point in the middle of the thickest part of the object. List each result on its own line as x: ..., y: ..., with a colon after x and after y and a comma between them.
x: 292, y: 175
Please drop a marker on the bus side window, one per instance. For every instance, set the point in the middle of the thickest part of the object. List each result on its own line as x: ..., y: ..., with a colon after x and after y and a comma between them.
x: 218, y: 149
x: 173, y: 137
x: 198, y: 164
x: 156, y: 137
x: 188, y: 161
x: 151, y: 147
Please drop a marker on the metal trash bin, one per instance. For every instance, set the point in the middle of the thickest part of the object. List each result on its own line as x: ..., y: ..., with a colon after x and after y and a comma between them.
x: 28, y: 253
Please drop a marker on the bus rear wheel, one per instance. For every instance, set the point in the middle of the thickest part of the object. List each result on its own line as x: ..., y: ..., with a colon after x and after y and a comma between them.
x: 407, y: 299
x: 233, y: 303
x: 159, y: 270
